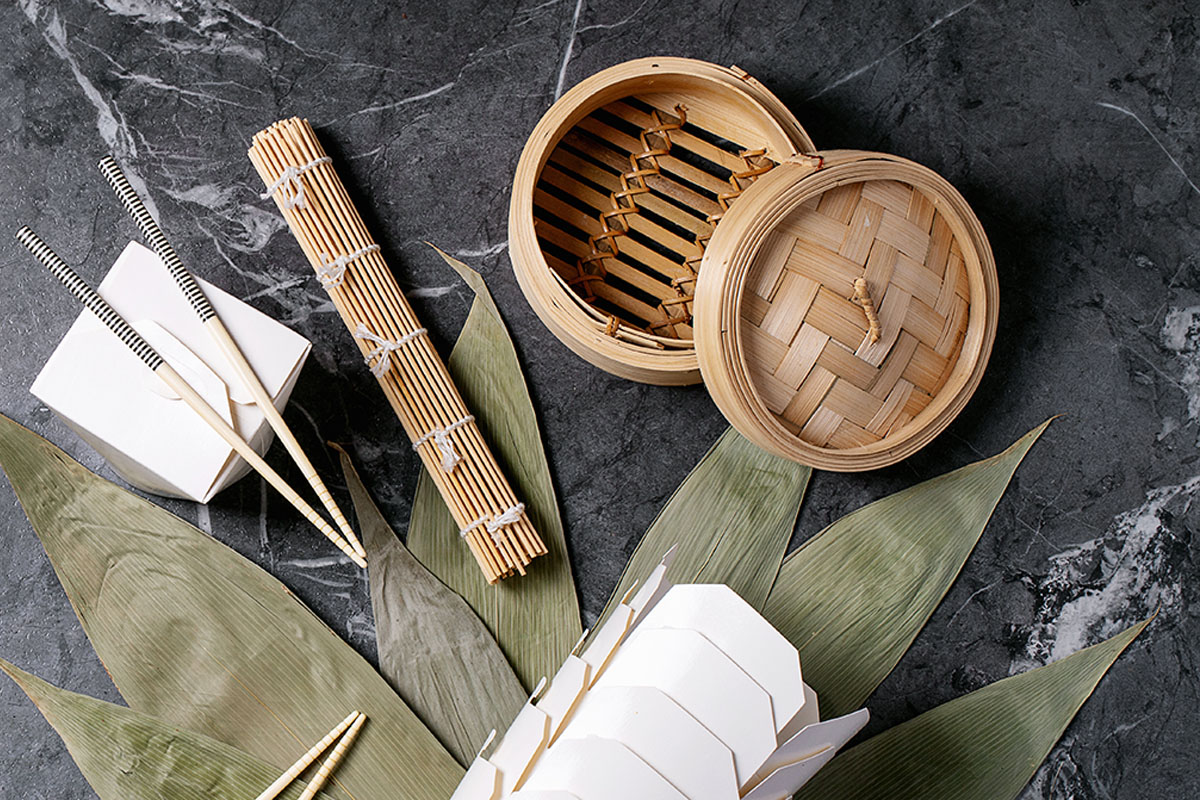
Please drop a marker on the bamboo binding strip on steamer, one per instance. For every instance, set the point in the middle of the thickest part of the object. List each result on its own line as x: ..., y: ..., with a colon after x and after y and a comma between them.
x: 305, y: 186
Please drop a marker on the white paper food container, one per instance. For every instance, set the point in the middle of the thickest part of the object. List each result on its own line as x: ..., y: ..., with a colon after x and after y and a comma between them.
x: 685, y: 693
x: 98, y: 387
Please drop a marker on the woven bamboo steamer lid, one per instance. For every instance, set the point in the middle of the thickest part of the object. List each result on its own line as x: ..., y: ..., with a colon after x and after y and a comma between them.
x: 787, y: 353
x: 635, y: 321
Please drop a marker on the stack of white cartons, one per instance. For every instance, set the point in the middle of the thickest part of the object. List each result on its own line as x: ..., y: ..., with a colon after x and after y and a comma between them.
x: 685, y: 693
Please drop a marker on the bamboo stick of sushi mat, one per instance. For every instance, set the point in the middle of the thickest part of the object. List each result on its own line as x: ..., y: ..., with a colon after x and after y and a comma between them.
x: 310, y: 195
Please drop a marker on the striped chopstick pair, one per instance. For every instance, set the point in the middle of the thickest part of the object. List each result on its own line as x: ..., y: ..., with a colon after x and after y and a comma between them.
x: 346, y: 541
x: 350, y: 727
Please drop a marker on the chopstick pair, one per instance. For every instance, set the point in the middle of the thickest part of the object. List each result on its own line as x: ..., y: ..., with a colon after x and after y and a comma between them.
x: 350, y: 544
x: 350, y: 726
x: 216, y: 329
x: 142, y: 349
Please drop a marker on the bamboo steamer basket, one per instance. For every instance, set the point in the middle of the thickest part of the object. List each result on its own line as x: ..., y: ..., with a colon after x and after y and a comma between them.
x: 578, y: 155
x: 839, y: 306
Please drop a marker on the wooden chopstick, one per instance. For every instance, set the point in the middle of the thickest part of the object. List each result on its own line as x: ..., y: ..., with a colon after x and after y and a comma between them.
x: 335, y: 758
x: 150, y: 357
x: 212, y: 323
x: 293, y: 772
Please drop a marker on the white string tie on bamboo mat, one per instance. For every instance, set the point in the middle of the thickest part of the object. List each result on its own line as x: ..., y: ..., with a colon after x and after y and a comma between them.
x: 332, y: 271
x: 441, y: 438
x: 467, y: 531
x: 510, y: 516
x: 293, y: 187
x: 382, y: 354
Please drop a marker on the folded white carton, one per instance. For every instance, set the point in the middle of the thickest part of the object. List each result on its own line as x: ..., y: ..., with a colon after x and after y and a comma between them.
x: 146, y: 433
x: 685, y: 693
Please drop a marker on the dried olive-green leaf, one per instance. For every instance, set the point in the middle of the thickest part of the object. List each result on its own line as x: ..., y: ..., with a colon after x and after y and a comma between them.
x: 196, y: 635
x: 985, y: 745
x: 432, y: 648
x: 535, y: 617
x: 730, y: 521
x: 126, y: 755
x: 853, y: 597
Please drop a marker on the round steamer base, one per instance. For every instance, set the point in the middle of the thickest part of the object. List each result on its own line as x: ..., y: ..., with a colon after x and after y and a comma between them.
x: 616, y: 194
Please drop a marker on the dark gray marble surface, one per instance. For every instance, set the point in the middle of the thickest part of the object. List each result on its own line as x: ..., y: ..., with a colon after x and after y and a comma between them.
x: 1073, y: 129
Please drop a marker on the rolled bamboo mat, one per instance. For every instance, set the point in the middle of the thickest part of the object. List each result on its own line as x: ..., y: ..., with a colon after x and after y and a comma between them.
x: 310, y: 195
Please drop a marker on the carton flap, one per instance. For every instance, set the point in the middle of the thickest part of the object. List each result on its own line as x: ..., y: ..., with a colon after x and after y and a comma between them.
x: 525, y: 740
x: 560, y: 698
x: 482, y: 782
x: 810, y: 741
x: 98, y: 385
x: 809, y: 714
x: 786, y: 781
x: 706, y: 683
x: 732, y: 624
x: 599, y: 769
x: 607, y: 639
x: 663, y: 735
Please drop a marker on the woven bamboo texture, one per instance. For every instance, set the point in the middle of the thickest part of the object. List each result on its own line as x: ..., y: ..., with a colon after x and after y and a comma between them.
x: 617, y: 195
x: 795, y: 276
x: 311, y: 197
x: 807, y: 340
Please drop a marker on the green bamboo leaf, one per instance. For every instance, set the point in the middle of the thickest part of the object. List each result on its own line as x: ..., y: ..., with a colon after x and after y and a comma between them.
x: 432, y: 648
x: 853, y: 597
x: 730, y: 522
x: 126, y: 755
x: 535, y: 618
x: 196, y: 635
x: 982, y: 746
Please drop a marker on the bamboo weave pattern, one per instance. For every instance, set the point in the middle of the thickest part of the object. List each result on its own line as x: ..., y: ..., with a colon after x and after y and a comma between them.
x: 757, y: 164
x: 808, y: 340
x: 655, y: 141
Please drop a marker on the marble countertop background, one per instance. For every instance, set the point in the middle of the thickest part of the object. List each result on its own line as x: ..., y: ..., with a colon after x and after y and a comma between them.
x: 1072, y: 128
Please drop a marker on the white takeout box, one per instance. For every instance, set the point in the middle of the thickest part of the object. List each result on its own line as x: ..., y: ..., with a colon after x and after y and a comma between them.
x: 149, y: 436
x: 685, y: 693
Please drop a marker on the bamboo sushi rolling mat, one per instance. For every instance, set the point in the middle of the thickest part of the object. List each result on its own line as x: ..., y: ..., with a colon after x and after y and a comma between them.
x: 319, y: 212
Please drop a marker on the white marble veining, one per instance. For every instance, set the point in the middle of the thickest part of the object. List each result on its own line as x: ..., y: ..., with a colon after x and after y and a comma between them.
x: 1072, y: 128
